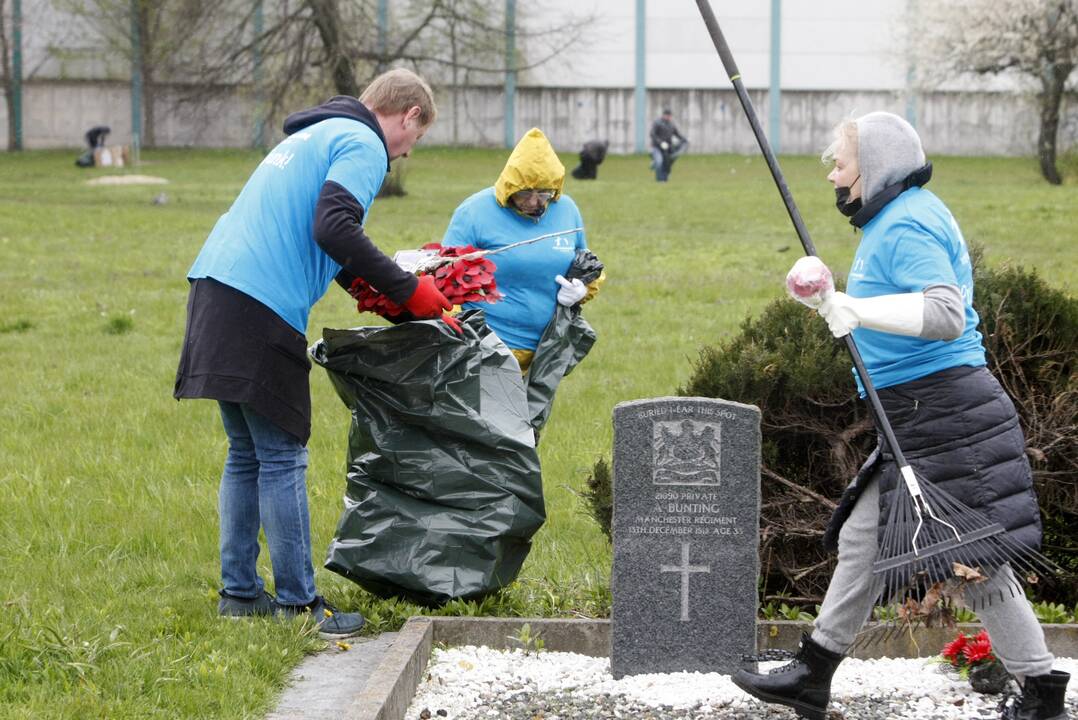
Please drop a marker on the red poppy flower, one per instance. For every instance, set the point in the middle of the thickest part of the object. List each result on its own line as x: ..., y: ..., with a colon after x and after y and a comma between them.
x: 979, y: 649
x: 462, y: 280
x: 953, y: 650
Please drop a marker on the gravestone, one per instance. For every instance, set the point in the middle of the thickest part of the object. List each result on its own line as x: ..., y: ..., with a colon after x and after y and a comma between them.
x: 685, y: 531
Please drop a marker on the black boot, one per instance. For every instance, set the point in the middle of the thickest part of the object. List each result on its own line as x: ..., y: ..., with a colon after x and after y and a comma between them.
x: 803, y: 684
x: 1042, y: 698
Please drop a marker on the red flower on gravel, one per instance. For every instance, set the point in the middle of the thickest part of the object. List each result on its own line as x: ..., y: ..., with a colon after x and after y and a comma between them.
x: 953, y: 650
x: 979, y: 649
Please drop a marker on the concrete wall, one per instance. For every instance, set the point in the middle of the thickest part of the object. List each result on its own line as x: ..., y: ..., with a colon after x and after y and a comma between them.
x: 836, y: 60
x: 59, y: 112
x: 949, y: 123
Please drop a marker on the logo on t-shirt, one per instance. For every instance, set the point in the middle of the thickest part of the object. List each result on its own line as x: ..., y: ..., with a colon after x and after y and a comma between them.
x: 858, y: 269
x: 564, y: 242
x: 278, y: 159
x: 967, y: 292
x: 964, y: 259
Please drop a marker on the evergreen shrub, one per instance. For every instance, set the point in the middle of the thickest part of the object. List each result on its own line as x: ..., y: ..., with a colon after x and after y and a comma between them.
x: 816, y: 432
x: 393, y: 184
x: 598, y: 495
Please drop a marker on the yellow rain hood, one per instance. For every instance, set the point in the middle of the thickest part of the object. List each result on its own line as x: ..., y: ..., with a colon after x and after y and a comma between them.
x: 533, y: 165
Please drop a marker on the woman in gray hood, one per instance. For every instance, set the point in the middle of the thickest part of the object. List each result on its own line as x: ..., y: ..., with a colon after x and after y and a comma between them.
x: 909, y: 305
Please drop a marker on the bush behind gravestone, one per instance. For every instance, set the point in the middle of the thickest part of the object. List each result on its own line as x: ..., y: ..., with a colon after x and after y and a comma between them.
x: 816, y: 432
x: 598, y: 495
x: 393, y: 184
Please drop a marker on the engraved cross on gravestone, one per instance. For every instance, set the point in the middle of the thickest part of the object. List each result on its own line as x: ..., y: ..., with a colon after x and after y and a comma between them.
x: 686, y: 513
x: 685, y: 569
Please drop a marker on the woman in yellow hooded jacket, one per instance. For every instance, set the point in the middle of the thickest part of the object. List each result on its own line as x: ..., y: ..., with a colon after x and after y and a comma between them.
x: 525, y: 202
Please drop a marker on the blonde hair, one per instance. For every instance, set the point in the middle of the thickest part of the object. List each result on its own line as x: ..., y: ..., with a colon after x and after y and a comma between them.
x: 398, y: 91
x: 845, y: 135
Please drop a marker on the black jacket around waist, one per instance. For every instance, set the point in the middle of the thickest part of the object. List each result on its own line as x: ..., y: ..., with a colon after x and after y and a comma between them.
x: 959, y: 430
x: 238, y: 350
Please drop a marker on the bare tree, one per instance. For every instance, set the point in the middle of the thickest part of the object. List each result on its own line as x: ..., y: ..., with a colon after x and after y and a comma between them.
x: 339, y: 48
x: 291, y: 52
x: 164, y: 38
x: 466, y: 45
x: 316, y: 46
x: 1037, y: 39
x: 36, y: 31
x: 7, y: 76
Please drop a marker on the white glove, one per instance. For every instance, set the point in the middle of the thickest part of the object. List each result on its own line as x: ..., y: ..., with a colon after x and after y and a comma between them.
x: 902, y: 314
x: 664, y: 145
x: 571, y: 292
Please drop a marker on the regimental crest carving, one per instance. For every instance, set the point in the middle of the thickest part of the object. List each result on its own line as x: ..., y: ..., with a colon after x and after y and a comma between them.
x: 686, y: 452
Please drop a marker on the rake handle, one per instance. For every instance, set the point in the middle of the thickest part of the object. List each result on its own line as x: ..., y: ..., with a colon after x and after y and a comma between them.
x: 791, y: 209
x: 437, y: 262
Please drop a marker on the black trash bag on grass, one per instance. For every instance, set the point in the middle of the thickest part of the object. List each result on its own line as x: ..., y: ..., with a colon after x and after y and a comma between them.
x: 444, y: 486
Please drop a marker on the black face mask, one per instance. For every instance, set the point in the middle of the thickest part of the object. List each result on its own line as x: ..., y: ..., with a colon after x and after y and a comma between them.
x: 842, y: 200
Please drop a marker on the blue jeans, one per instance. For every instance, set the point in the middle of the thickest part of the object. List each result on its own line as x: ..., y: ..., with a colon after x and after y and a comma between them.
x: 658, y: 164
x: 264, y: 483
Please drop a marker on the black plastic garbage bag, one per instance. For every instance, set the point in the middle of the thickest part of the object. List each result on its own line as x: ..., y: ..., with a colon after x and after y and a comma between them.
x: 444, y: 487
x: 565, y: 341
x: 95, y: 138
x: 591, y: 157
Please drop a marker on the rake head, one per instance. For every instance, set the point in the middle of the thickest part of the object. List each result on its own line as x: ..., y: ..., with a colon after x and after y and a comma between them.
x: 928, y: 531
x: 928, y: 536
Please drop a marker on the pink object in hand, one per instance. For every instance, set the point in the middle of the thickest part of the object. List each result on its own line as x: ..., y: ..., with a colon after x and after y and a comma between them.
x: 809, y: 281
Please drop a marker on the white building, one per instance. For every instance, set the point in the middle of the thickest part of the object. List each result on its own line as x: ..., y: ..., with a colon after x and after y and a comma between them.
x: 831, y: 59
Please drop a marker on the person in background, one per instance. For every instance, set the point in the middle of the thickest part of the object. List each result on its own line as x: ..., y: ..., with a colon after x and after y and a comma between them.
x: 296, y: 226
x: 95, y: 141
x: 525, y: 202
x: 909, y: 305
x: 667, y: 143
x: 591, y: 157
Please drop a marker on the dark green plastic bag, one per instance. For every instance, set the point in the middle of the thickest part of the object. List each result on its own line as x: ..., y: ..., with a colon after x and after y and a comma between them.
x: 444, y: 484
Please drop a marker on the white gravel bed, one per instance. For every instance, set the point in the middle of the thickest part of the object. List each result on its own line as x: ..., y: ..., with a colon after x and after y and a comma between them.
x: 464, y: 683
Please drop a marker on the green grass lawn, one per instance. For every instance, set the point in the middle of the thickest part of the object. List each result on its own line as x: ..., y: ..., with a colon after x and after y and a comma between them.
x: 108, y: 530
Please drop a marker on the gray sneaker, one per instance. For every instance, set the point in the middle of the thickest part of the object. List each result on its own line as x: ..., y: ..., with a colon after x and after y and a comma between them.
x: 332, y: 623
x: 235, y: 608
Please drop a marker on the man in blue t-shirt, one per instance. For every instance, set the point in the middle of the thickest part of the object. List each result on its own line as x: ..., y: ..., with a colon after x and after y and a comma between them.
x: 296, y: 226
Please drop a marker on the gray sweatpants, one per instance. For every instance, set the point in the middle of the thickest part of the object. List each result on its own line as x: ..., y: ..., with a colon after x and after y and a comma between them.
x: 1017, y: 637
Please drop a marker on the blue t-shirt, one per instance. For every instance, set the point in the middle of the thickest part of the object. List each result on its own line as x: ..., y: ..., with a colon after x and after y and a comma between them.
x: 524, y: 275
x: 913, y: 243
x: 263, y: 246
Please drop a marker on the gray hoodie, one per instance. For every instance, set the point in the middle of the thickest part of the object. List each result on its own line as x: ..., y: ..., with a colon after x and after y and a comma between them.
x: 889, y: 149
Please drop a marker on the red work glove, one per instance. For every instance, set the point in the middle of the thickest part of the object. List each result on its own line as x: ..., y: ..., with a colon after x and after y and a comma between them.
x: 427, y: 301
x: 453, y: 323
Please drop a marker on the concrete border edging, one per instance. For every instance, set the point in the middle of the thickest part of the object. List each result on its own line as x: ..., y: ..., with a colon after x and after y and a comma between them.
x: 391, y: 686
x: 584, y: 637
x: 393, y: 683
